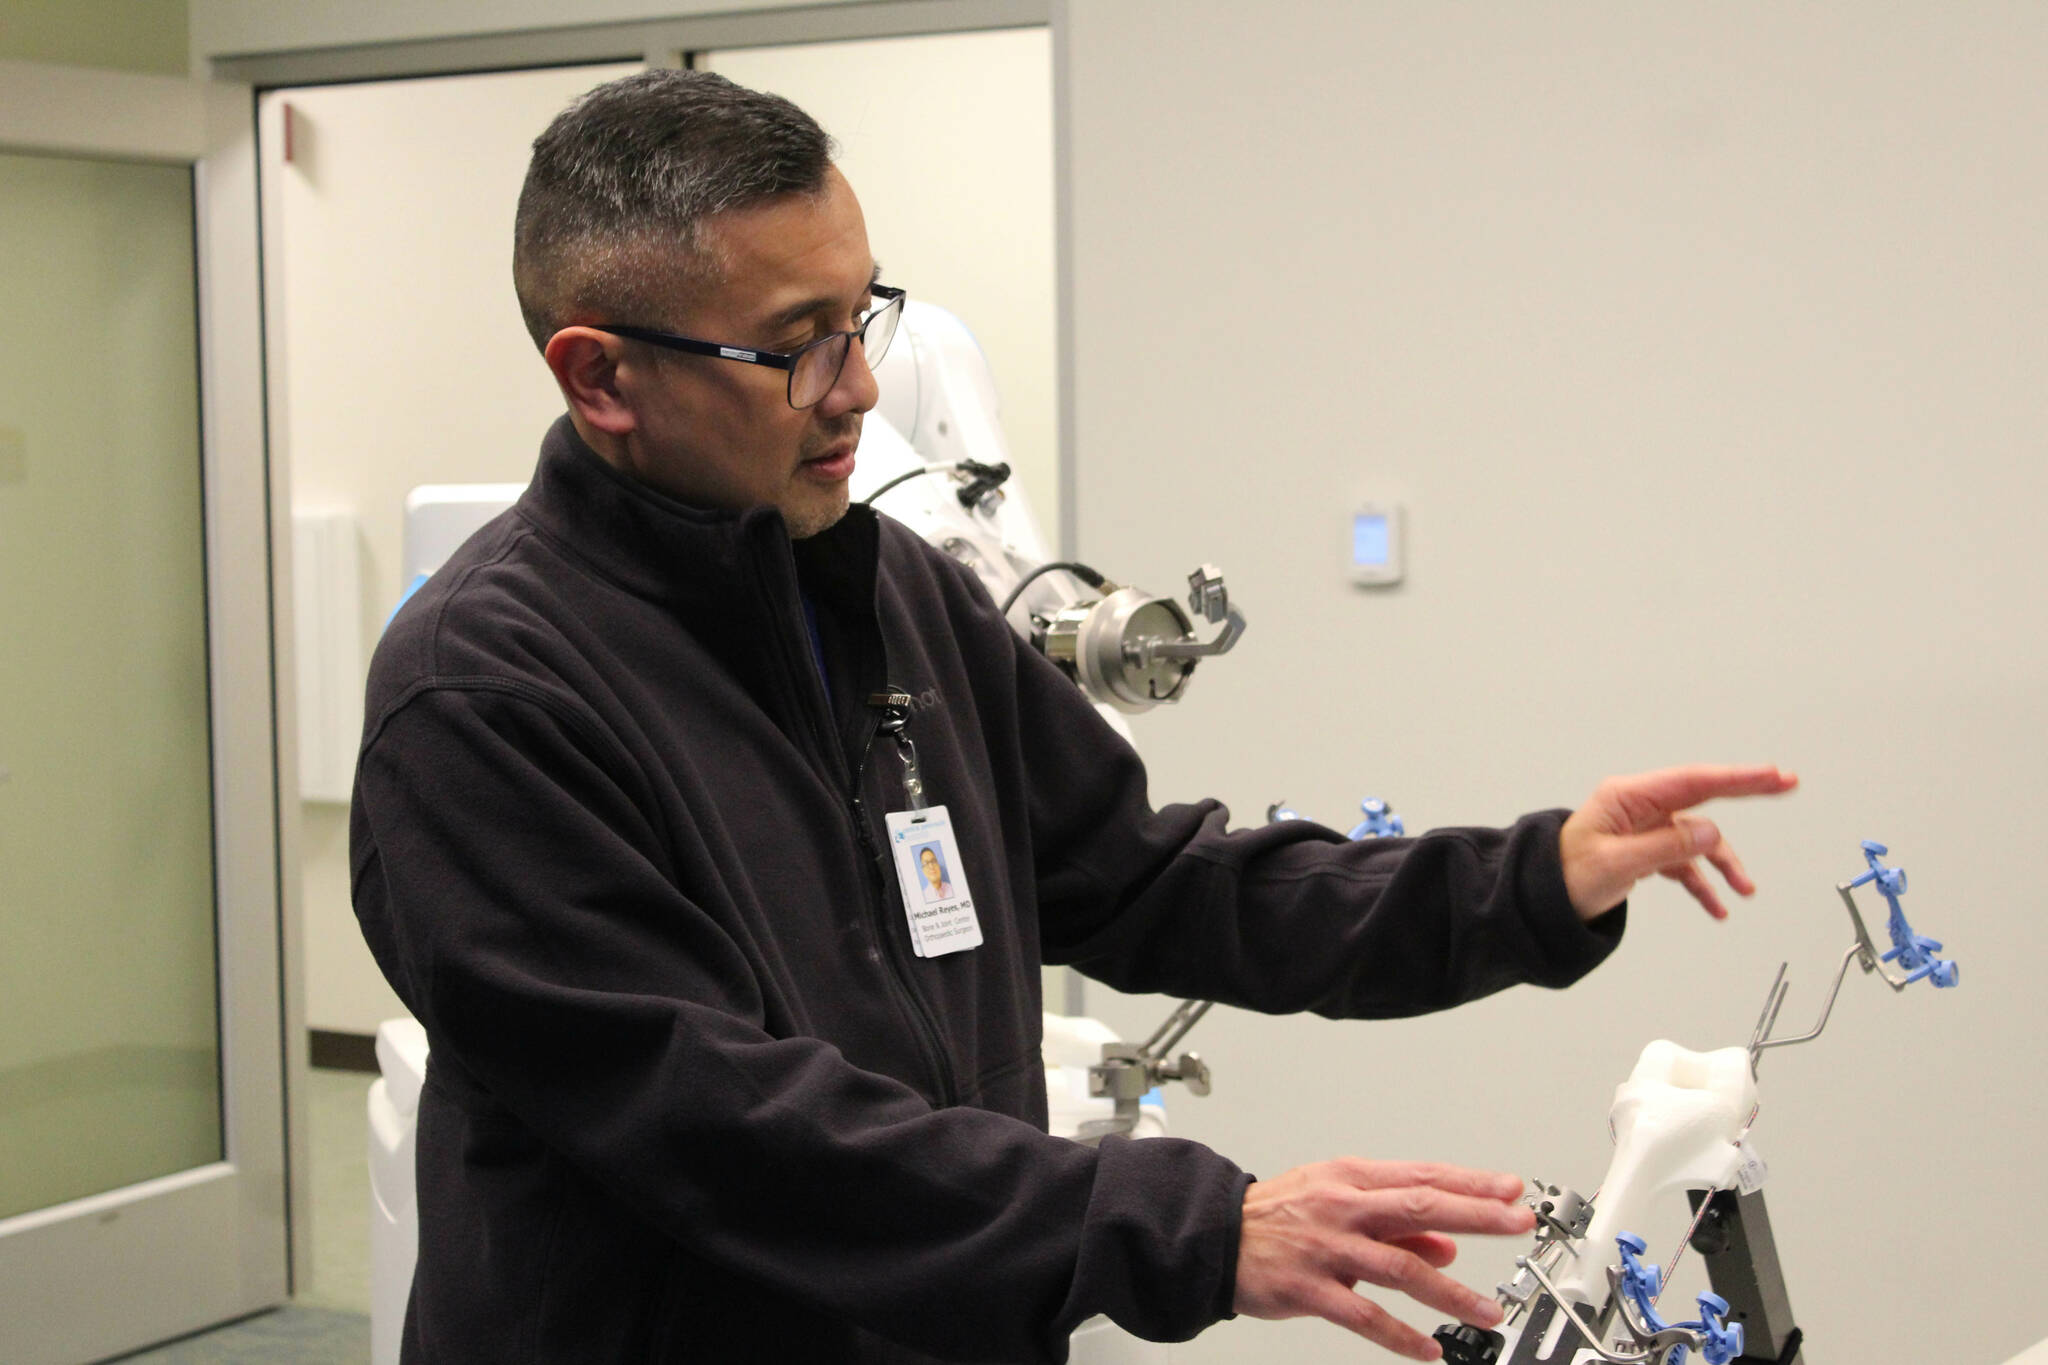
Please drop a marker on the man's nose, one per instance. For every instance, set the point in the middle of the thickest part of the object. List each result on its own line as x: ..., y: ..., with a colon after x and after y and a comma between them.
x: 856, y: 389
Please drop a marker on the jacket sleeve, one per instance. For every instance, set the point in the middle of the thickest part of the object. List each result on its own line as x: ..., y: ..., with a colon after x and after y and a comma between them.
x: 514, y: 892
x: 1290, y: 916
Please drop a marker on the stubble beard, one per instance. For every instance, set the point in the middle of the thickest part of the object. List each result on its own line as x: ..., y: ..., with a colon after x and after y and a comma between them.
x: 810, y: 521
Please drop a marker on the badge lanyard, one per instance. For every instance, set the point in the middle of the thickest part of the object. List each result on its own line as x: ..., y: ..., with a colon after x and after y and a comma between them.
x: 929, y: 872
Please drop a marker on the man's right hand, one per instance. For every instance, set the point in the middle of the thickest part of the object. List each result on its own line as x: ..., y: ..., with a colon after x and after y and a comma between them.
x: 1311, y: 1235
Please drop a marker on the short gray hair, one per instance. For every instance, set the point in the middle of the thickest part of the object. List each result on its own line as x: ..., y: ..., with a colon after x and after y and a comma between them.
x: 622, y: 181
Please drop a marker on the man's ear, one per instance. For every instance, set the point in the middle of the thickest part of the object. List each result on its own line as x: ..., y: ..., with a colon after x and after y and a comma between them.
x: 586, y: 366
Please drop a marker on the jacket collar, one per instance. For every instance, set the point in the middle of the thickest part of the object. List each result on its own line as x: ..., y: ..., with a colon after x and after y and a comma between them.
x: 670, y: 551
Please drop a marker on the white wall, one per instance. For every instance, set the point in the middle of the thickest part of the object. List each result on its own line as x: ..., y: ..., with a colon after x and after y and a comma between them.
x: 1703, y: 344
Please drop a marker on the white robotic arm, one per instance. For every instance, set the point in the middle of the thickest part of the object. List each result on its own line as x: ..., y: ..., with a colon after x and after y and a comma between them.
x: 933, y: 457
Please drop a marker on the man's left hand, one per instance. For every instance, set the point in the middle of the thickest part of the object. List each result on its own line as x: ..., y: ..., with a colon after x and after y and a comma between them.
x: 1634, y: 826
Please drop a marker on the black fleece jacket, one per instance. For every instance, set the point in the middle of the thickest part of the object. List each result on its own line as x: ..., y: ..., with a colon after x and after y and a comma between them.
x: 691, y: 1094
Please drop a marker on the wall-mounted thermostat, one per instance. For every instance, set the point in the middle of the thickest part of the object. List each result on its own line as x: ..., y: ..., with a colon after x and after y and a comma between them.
x: 1378, y: 551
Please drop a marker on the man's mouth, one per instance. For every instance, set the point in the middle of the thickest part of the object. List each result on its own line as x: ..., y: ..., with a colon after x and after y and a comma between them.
x: 835, y: 464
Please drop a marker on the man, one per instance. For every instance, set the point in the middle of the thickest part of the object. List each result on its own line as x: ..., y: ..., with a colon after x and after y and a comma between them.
x: 618, y: 842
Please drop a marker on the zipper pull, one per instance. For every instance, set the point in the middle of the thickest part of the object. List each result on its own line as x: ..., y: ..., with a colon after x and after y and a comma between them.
x: 895, y: 709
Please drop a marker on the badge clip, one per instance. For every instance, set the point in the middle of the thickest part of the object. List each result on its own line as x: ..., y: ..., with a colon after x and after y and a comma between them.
x: 895, y: 708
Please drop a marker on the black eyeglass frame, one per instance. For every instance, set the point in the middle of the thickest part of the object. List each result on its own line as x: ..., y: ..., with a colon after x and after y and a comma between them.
x: 891, y: 297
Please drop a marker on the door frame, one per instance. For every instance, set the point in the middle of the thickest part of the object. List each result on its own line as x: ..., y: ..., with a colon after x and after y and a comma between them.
x: 658, y: 42
x: 131, y: 1266
x: 670, y: 42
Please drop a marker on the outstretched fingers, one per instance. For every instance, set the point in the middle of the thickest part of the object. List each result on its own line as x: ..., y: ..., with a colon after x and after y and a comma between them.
x: 1384, y: 1214
x: 1675, y: 789
x: 1729, y: 864
x: 1433, y: 1247
x: 1332, y: 1302
x: 1672, y: 851
x: 1634, y: 826
x: 1313, y: 1235
x: 1395, y: 1268
x: 1367, y: 1174
x: 1699, y: 888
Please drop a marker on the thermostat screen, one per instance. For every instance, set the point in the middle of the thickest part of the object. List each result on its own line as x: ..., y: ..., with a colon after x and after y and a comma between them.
x: 1369, y: 540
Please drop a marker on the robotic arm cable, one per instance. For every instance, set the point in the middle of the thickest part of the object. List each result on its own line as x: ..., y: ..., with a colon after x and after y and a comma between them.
x: 1075, y: 567
x: 982, y: 480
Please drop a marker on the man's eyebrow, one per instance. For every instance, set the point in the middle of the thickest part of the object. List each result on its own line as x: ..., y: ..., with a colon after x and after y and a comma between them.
x: 797, y: 312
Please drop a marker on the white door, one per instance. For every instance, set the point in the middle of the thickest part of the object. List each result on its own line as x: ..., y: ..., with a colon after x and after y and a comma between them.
x: 143, y: 1172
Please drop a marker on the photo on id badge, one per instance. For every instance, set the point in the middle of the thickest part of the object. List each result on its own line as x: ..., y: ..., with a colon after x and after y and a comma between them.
x: 936, y: 898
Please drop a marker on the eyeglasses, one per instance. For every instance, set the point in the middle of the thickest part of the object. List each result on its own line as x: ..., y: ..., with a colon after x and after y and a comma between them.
x: 814, y: 369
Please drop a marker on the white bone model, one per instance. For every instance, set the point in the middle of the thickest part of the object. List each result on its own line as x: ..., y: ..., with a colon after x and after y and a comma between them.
x: 1680, y: 1123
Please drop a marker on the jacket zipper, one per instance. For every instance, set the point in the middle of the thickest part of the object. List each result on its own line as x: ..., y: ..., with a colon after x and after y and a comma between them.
x: 878, y: 892
x: 826, y: 741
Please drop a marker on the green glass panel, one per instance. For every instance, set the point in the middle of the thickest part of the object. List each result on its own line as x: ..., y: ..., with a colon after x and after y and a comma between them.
x: 109, y: 1009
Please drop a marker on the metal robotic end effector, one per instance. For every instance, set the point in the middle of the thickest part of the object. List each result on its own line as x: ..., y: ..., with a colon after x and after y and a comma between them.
x: 1914, y: 954
x: 1133, y: 650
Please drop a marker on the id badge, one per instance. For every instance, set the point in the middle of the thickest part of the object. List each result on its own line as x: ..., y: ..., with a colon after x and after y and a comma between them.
x: 933, y: 882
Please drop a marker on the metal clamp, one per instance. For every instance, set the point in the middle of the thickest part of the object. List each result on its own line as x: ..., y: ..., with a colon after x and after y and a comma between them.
x: 1127, y: 1073
x: 1562, y: 1217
